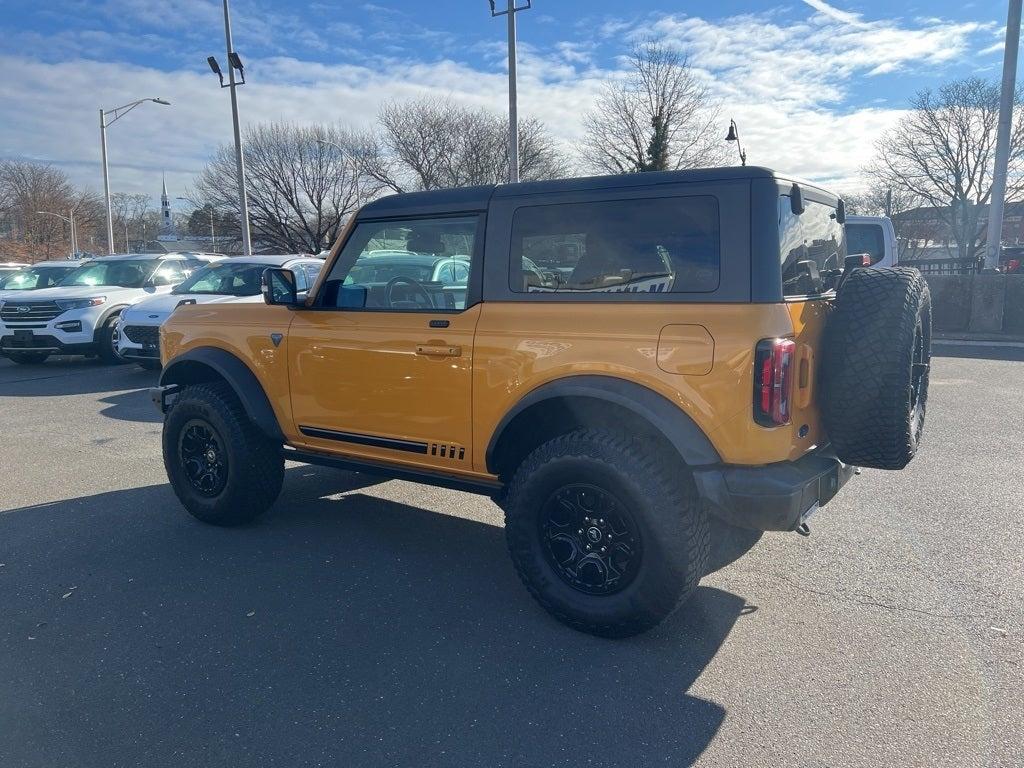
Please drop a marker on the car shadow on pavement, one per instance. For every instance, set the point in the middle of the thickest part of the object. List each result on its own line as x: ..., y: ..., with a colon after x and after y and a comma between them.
x: 342, y: 629
x: 62, y: 376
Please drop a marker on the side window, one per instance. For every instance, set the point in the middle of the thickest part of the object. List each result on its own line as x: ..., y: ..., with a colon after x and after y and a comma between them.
x: 169, y: 273
x: 810, y: 243
x: 397, y: 265
x: 664, y: 245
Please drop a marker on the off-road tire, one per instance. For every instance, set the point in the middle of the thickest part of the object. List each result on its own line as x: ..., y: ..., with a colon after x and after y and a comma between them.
x: 149, y: 365
x: 874, y: 390
x: 106, y: 345
x: 662, y: 500
x: 27, y: 358
x: 255, y: 464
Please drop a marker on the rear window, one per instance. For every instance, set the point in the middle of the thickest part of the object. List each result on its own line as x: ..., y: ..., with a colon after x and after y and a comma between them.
x: 664, y: 245
x: 810, y: 243
x: 866, y: 238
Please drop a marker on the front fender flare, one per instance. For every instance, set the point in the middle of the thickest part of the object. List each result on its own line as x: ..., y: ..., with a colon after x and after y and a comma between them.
x: 187, y: 367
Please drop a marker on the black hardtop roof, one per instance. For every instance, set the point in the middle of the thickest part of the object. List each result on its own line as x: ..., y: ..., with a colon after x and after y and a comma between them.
x: 478, y: 198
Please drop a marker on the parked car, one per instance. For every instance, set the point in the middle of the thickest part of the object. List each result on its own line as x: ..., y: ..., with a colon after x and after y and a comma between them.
x: 875, y: 236
x: 230, y: 280
x: 79, y: 315
x: 42, y: 274
x: 6, y: 267
x: 624, y: 426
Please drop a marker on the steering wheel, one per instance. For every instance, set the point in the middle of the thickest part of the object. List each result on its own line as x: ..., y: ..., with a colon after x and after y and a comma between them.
x: 403, y: 280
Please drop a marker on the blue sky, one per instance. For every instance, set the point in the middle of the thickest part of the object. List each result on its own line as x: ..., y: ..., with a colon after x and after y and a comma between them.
x: 811, y: 83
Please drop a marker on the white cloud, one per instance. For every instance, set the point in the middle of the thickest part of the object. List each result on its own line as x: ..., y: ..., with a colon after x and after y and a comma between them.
x: 786, y: 83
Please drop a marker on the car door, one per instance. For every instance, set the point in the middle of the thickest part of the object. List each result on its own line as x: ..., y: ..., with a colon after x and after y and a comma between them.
x: 381, y: 365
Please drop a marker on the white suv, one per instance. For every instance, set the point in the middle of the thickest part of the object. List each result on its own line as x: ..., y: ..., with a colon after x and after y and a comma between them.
x: 79, y: 316
x: 233, y: 280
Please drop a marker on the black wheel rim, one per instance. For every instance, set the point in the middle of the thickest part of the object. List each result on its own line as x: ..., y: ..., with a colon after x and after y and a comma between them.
x: 203, y: 458
x: 590, y: 539
x: 918, y: 374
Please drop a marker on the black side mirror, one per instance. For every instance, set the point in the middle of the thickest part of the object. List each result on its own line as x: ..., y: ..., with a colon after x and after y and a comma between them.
x: 278, y: 287
x: 796, y: 200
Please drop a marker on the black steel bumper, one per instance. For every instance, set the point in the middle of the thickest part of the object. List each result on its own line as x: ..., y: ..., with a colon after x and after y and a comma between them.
x: 774, y: 497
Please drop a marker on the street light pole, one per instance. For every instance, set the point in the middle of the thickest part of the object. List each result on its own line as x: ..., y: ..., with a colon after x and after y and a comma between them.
x: 71, y: 222
x: 243, y: 200
x: 117, y: 113
x: 995, y: 211
x: 513, y: 108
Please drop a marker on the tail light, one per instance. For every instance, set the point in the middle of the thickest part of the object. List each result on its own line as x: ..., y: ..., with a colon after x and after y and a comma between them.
x: 773, y: 381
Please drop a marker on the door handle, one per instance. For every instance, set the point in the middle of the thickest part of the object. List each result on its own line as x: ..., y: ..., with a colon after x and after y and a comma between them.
x: 432, y: 350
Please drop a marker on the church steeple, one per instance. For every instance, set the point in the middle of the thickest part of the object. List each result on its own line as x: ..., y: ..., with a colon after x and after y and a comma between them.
x: 167, y: 231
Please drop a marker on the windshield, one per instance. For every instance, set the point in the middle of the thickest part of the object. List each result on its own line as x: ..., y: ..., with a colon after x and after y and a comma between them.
x: 30, y: 279
x: 123, y: 274
x: 225, y: 279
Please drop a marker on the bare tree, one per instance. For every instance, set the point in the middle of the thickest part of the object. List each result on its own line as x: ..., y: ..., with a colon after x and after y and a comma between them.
x: 26, y: 188
x: 942, y: 154
x: 658, y: 117
x: 129, y: 214
x: 436, y: 143
x: 303, y: 183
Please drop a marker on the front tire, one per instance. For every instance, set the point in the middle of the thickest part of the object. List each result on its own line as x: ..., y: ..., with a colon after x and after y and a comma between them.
x: 223, y: 470
x: 607, y: 535
x: 106, y: 343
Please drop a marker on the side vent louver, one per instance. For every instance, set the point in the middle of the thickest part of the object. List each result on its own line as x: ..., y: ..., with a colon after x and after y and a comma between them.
x: 447, y: 451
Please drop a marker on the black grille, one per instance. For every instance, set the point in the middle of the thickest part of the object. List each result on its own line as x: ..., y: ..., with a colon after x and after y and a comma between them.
x: 29, y: 311
x: 142, y: 334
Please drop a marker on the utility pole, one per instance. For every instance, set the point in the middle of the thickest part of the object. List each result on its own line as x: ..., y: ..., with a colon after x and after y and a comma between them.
x: 234, y: 62
x: 513, y: 118
x: 995, y: 213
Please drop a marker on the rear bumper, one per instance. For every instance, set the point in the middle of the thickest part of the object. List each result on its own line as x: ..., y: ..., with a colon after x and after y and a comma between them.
x: 774, y: 497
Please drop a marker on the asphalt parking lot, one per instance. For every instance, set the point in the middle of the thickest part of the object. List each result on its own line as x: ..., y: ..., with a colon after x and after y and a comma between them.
x: 368, y: 623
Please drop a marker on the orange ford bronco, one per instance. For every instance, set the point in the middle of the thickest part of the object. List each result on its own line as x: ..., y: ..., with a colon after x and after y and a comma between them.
x: 632, y: 367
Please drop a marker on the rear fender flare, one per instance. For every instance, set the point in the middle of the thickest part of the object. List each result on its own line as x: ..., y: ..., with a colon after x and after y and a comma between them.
x: 666, y: 417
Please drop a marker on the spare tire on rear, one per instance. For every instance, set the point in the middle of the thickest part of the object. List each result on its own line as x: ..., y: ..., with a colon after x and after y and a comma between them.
x: 877, y: 352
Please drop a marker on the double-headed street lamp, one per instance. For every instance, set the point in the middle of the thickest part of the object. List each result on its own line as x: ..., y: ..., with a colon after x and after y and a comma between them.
x: 71, y: 221
x: 115, y: 114
x: 235, y: 65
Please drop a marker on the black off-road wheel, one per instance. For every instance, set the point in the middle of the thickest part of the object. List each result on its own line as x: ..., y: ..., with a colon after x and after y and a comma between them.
x: 106, y: 343
x: 224, y: 471
x: 877, y: 357
x: 28, y: 358
x: 606, y: 534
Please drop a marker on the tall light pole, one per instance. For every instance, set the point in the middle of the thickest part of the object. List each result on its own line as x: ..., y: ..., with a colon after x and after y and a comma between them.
x: 115, y: 114
x: 995, y: 210
x: 235, y: 63
x: 734, y: 135
x: 70, y: 219
x: 513, y: 118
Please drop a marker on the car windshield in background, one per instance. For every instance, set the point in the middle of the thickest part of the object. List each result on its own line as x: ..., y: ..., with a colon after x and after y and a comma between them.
x: 30, y: 279
x: 123, y: 274
x: 381, y: 269
x: 225, y: 279
x: 810, y: 243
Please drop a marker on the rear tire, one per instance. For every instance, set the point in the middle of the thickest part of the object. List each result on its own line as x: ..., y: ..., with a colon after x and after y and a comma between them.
x: 589, y: 489
x: 224, y: 471
x: 876, y: 367
x: 28, y: 358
